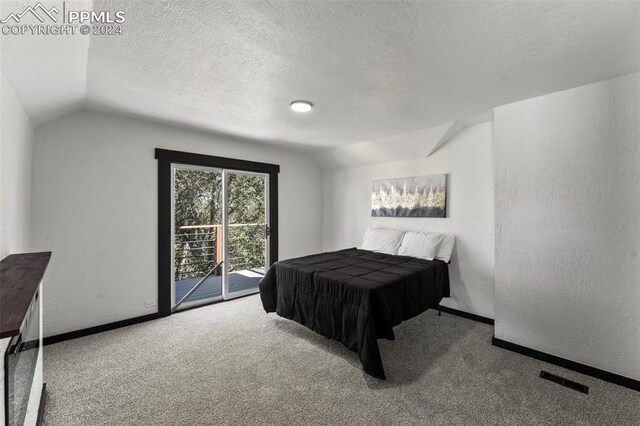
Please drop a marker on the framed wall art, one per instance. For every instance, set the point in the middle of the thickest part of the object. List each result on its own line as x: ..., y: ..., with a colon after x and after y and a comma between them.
x: 421, y: 196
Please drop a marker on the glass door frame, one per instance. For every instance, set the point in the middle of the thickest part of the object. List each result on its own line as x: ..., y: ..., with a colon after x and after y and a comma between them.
x: 190, y: 304
x: 166, y: 158
x: 226, y: 294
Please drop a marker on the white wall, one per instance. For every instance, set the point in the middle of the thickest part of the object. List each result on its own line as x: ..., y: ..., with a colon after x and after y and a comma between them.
x: 467, y: 158
x: 95, y: 205
x: 568, y: 224
x: 16, y: 148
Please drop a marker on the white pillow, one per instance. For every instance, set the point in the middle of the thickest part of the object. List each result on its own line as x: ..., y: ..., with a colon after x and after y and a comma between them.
x: 420, y: 245
x: 382, y: 240
x: 446, y: 247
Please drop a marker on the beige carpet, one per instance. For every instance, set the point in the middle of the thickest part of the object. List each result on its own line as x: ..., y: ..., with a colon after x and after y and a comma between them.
x: 231, y: 363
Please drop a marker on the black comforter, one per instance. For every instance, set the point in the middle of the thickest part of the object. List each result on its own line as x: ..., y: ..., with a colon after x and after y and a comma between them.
x: 354, y: 296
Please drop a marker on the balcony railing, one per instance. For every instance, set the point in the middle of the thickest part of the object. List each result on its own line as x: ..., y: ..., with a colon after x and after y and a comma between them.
x: 198, y: 248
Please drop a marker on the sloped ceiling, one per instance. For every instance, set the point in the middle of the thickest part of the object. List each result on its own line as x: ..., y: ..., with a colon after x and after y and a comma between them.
x: 372, y: 69
x: 48, y: 73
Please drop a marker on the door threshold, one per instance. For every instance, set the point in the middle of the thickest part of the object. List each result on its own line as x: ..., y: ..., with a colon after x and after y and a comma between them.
x: 214, y: 302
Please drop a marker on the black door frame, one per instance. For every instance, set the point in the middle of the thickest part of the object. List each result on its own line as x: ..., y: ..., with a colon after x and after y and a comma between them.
x: 165, y: 159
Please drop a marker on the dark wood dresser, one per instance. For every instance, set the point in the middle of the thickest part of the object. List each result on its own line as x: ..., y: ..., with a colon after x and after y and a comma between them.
x: 22, y: 387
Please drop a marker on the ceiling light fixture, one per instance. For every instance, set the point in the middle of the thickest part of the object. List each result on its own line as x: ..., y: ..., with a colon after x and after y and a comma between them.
x: 301, y: 106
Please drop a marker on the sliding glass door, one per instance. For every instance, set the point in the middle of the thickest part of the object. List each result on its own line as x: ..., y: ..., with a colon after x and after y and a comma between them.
x: 247, y: 231
x: 220, y: 234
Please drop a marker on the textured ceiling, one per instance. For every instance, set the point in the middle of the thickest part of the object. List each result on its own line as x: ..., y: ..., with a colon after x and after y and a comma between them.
x: 372, y: 69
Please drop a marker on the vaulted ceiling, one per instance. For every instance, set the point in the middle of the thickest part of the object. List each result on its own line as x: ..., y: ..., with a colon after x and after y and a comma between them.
x: 372, y: 69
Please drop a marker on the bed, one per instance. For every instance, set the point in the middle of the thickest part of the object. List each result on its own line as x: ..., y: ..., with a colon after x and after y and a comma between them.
x: 355, y: 296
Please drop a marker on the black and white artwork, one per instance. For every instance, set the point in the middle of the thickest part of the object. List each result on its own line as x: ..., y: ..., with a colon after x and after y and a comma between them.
x: 421, y: 196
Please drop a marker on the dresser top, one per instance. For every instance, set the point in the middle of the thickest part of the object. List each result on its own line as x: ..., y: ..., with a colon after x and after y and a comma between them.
x: 20, y: 275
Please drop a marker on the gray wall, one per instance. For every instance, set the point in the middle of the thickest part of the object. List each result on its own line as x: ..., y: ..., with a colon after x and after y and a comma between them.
x: 467, y: 158
x: 568, y: 224
x: 95, y: 206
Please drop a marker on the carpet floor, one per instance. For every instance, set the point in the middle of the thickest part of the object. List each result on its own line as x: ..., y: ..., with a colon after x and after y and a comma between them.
x: 231, y: 363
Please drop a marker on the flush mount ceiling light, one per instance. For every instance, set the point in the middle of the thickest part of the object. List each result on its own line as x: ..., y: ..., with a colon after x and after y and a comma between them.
x: 301, y: 106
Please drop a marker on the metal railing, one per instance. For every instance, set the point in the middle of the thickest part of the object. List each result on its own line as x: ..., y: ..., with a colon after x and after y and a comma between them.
x: 195, y: 287
x: 198, y: 248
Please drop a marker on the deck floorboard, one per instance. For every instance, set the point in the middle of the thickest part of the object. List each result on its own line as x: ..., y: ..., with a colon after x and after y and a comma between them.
x: 212, y: 287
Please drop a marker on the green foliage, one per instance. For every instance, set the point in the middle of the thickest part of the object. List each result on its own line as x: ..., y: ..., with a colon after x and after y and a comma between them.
x: 198, y: 198
x: 198, y: 205
x: 246, y: 205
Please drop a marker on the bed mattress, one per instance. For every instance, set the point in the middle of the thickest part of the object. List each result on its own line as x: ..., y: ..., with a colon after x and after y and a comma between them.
x: 354, y: 296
